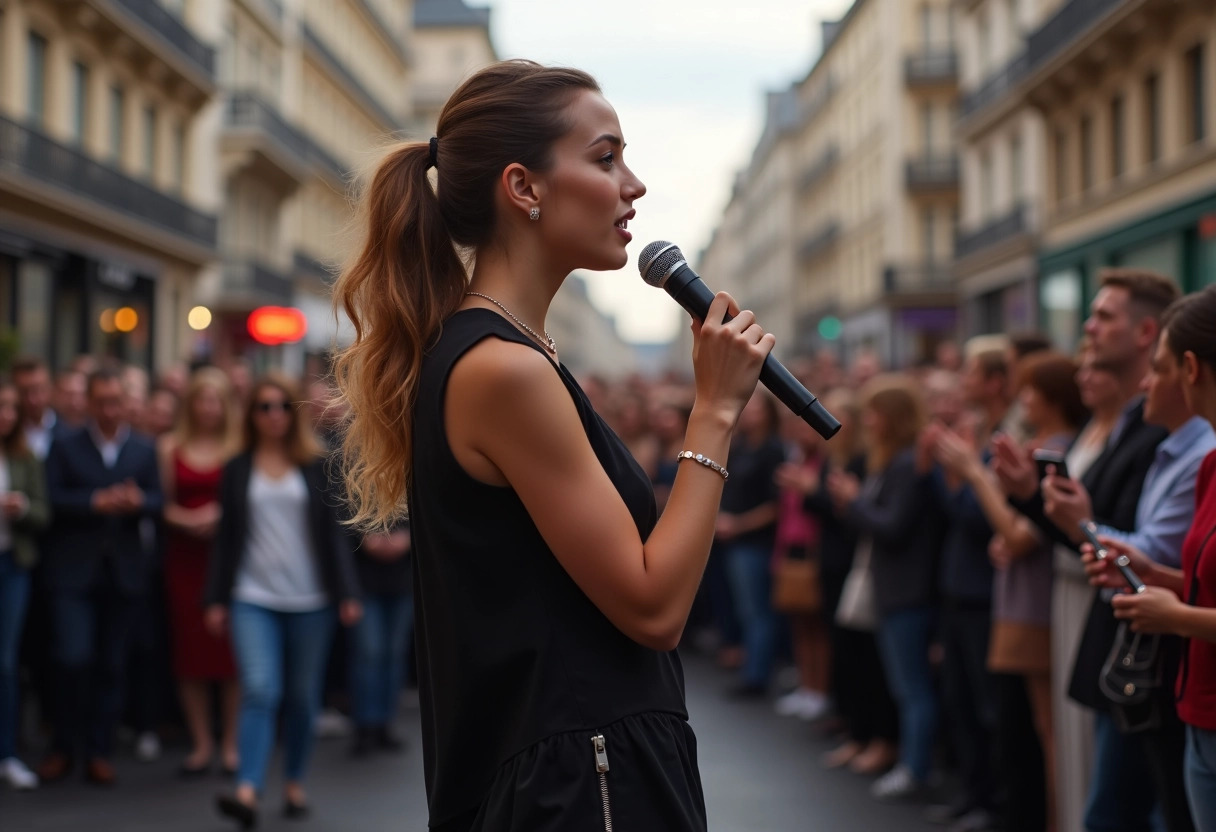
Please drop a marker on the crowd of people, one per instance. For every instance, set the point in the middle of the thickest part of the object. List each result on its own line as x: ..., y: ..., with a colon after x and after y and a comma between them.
x: 931, y: 570
x: 929, y: 573
x: 200, y: 507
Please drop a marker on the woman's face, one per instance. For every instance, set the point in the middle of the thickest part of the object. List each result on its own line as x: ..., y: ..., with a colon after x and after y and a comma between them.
x: 208, y: 410
x: 873, y: 425
x: 272, y: 413
x: 1099, y: 388
x: 1036, y: 409
x: 8, y: 410
x: 587, y: 196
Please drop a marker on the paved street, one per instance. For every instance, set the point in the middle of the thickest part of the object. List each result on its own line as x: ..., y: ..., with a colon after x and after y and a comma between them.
x: 761, y: 774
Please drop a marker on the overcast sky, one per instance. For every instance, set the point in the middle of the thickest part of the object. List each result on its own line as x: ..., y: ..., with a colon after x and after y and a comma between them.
x: 687, y: 78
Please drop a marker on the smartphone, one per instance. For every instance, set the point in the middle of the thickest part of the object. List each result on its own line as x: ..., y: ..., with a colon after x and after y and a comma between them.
x: 1044, y: 457
x: 1121, y: 563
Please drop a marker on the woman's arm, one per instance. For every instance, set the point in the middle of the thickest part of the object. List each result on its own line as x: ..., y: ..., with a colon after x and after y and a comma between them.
x: 536, y: 444
x: 176, y: 516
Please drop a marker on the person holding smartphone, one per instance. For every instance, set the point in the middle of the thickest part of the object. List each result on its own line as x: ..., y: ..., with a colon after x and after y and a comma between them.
x: 1163, y: 516
x: 1019, y: 655
x: 1183, y: 600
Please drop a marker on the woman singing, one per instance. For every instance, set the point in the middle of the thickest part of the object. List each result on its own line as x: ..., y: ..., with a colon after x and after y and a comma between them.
x: 549, y: 596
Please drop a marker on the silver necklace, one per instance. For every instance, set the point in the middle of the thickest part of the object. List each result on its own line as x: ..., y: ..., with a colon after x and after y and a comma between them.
x: 547, y: 342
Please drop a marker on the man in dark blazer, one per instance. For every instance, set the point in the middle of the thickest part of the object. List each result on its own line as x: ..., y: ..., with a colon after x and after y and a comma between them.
x: 102, y: 481
x: 1122, y: 332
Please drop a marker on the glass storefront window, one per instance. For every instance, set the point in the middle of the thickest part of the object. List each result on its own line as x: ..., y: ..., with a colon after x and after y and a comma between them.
x: 1163, y: 255
x: 34, y: 282
x: 1062, y: 317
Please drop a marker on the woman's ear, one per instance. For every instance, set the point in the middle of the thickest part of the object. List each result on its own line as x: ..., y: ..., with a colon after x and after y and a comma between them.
x: 1192, y: 370
x: 522, y: 187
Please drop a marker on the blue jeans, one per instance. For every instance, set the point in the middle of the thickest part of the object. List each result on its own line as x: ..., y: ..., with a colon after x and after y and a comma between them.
x: 91, y: 643
x: 749, y: 569
x: 280, y: 656
x: 1121, y: 793
x: 379, y: 642
x: 1201, y: 776
x: 14, y: 595
x: 903, y: 639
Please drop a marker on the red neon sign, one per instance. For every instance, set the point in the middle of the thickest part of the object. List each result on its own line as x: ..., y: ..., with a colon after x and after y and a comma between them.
x: 274, y: 325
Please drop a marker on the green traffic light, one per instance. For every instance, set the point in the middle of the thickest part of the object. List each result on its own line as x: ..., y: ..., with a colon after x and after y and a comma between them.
x: 830, y: 328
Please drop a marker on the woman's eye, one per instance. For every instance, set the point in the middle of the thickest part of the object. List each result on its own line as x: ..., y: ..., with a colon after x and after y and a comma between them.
x: 608, y: 159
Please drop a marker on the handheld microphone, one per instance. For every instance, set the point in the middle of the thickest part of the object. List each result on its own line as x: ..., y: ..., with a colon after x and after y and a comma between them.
x: 662, y: 264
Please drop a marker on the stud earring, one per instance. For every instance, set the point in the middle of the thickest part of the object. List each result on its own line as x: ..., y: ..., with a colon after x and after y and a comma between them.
x: 534, y: 214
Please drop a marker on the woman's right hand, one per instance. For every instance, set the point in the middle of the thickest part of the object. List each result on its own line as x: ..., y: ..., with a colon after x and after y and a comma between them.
x: 1103, y: 573
x: 216, y: 619
x: 727, y: 356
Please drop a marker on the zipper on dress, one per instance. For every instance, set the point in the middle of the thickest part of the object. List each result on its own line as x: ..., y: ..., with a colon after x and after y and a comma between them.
x: 601, y: 766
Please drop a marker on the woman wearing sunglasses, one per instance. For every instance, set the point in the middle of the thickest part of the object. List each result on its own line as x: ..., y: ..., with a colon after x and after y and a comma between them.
x: 280, y: 571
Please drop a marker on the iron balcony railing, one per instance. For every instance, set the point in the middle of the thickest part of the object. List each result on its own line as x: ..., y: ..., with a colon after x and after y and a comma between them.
x: 932, y: 172
x: 931, y: 67
x: 997, y: 231
x: 31, y: 153
x: 819, y: 169
x: 247, y: 277
x: 248, y: 111
x: 165, y: 24
x: 995, y: 87
x: 920, y: 277
x: 1068, y: 25
x: 819, y: 241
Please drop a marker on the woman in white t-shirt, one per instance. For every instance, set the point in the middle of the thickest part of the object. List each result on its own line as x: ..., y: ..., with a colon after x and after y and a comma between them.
x: 280, y: 570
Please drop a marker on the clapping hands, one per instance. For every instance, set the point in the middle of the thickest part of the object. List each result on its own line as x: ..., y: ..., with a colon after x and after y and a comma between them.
x: 121, y: 498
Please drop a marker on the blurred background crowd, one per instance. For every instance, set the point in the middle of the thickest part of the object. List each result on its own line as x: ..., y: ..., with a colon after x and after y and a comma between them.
x: 174, y: 570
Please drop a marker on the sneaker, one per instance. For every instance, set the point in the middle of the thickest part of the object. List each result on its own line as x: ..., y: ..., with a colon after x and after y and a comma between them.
x: 804, y: 704
x: 147, y: 747
x: 332, y: 724
x: 896, y: 784
x: 17, y: 774
x: 977, y: 820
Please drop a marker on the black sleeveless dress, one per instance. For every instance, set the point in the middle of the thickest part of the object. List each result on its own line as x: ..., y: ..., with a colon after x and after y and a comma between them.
x: 519, y: 671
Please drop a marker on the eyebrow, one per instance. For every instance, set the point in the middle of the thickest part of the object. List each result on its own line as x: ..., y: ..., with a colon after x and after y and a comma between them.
x: 613, y: 140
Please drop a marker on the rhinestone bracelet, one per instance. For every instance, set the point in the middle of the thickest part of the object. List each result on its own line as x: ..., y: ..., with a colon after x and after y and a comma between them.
x: 704, y: 460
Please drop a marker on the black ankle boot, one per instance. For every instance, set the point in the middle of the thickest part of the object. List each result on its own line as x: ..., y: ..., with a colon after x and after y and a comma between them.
x: 365, y: 741
x: 386, y: 741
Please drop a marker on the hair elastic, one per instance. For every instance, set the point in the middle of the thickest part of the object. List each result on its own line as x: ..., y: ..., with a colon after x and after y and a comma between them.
x: 433, y: 162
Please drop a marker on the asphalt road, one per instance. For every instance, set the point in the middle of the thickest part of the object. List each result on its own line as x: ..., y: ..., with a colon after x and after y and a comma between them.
x: 761, y: 774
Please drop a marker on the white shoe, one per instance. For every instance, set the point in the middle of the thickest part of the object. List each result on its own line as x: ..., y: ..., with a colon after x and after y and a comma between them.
x: 147, y: 747
x: 332, y: 724
x: 802, y: 703
x: 17, y: 774
x: 896, y: 784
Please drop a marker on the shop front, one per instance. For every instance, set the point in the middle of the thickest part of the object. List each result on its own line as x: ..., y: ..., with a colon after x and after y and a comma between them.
x: 1179, y: 242
x: 57, y: 303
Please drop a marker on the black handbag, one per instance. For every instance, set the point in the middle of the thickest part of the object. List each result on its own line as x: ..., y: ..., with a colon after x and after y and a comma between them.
x: 1131, y: 679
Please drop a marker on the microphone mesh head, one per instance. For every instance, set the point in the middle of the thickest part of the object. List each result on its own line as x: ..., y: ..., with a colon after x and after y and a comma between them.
x: 656, y: 261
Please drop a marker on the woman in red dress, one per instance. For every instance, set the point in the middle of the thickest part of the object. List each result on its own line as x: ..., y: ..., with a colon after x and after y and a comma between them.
x: 192, y: 457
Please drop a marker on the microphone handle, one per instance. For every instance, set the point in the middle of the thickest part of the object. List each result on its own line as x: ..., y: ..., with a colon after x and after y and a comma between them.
x: 690, y: 291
